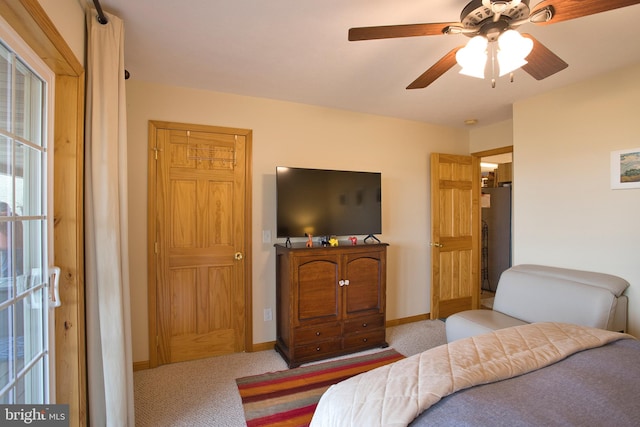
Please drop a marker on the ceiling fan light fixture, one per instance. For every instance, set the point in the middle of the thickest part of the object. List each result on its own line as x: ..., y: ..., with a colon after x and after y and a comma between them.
x: 473, y: 57
x: 513, y: 50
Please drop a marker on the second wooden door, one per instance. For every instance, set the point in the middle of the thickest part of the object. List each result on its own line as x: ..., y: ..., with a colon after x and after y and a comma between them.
x: 455, y: 234
x: 199, y: 241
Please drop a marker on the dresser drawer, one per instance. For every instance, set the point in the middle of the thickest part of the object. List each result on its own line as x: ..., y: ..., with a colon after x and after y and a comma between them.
x: 317, y: 350
x: 317, y: 333
x: 364, y: 324
x: 372, y: 338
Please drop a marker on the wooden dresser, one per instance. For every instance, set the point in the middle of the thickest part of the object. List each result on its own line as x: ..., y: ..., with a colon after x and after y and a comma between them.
x: 329, y: 300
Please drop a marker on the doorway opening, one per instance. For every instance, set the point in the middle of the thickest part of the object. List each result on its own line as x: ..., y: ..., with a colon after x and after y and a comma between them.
x: 496, y: 219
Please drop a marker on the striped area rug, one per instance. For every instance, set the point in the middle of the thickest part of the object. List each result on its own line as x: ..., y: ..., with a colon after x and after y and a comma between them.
x: 288, y: 398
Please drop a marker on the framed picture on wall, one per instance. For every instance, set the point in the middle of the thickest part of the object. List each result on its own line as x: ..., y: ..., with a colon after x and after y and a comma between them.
x: 625, y: 169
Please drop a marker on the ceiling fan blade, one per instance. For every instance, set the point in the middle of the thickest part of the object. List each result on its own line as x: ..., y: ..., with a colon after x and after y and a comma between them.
x: 395, y: 31
x: 542, y: 63
x: 564, y: 10
x: 439, y: 68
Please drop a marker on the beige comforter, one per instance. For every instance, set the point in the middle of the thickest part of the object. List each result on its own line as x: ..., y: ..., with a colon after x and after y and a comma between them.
x: 393, y: 395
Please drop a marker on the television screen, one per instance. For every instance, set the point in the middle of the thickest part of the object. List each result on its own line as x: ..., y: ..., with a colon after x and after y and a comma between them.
x: 327, y: 202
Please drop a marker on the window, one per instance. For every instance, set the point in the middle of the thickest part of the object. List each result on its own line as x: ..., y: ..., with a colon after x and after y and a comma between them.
x: 25, y: 88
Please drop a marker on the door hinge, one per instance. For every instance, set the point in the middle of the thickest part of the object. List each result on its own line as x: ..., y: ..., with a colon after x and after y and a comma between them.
x: 156, y: 247
x: 157, y: 340
x: 156, y: 150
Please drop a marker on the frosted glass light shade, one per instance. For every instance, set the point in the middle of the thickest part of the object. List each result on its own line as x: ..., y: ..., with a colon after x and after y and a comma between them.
x: 473, y: 57
x: 512, y: 51
x: 511, y: 54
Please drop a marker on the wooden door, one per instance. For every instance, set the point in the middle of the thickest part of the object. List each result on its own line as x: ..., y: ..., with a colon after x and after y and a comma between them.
x: 200, y: 250
x: 455, y: 234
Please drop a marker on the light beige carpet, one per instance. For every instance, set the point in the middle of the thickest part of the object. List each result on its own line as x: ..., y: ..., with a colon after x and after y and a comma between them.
x: 204, y: 392
x: 486, y: 299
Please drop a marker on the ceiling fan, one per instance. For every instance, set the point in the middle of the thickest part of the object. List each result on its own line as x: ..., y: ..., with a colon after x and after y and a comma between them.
x: 487, y: 21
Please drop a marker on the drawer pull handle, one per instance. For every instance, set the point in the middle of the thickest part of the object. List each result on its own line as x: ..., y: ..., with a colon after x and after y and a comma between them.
x: 318, y: 333
x: 364, y: 325
x: 364, y: 340
x: 317, y: 348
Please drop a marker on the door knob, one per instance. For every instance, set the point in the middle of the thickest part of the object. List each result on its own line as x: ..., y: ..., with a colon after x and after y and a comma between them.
x: 238, y: 256
x: 437, y: 245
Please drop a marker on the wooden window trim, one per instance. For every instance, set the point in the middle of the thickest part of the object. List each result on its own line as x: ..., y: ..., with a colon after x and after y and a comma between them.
x: 31, y: 22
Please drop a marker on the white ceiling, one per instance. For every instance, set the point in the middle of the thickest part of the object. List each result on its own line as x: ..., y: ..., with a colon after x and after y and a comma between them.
x: 298, y: 51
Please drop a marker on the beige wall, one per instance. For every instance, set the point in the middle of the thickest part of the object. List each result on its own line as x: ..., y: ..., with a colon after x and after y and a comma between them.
x: 496, y: 135
x: 565, y: 212
x: 68, y: 17
x: 291, y: 134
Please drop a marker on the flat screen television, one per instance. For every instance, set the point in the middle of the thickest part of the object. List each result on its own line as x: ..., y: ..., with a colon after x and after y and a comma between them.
x: 322, y: 202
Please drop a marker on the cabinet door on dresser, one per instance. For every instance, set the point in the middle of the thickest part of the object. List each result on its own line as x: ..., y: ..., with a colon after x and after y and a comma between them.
x: 365, y: 292
x: 317, y: 296
x: 364, y: 299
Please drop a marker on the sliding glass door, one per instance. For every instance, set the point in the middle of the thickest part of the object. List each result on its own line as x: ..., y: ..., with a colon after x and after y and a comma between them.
x: 24, y: 225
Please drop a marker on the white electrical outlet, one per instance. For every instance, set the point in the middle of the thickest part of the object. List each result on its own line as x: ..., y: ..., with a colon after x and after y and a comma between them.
x: 268, y: 315
x: 266, y: 236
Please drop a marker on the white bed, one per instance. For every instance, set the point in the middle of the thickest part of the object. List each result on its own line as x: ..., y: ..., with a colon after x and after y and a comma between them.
x: 536, y: 374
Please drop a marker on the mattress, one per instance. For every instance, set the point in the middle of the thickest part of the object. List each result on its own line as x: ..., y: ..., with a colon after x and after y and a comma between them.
x: 594, y: 387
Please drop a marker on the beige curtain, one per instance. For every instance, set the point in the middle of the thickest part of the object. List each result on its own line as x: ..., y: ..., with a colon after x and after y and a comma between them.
x: 109, y: 360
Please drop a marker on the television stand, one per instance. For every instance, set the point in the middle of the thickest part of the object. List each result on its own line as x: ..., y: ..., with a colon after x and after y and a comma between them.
x: 371, y: 236
x: 329, y: 301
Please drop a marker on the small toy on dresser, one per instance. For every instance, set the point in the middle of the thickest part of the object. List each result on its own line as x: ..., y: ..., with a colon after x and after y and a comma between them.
x: 310, y: 241
x: 354, y: 240
x: 333, y: 241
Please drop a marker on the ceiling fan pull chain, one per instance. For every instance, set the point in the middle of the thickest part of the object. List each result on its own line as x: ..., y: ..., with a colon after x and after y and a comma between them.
x: 493, y: 65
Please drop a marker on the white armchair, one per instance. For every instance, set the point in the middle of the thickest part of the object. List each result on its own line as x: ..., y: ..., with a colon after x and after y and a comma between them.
x: 535, y: 293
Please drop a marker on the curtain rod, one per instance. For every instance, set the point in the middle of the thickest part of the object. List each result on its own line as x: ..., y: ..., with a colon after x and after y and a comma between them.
x: 103, y: 20
x: 101, y: 17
